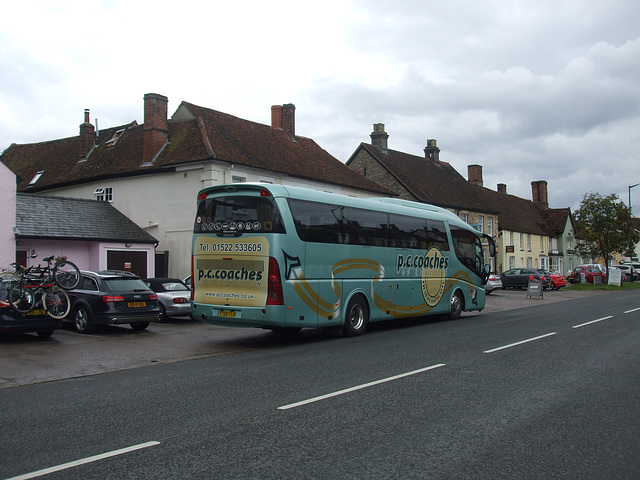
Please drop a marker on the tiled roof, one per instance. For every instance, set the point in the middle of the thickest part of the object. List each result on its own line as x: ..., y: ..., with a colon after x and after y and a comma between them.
x: 205, y: 135
x: 49, y: 217
x: 430, y: 182
x: 440, y: 184
x: 521, y: 215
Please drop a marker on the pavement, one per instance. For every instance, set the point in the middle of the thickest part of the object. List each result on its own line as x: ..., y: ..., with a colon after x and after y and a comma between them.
x: 27, y: 359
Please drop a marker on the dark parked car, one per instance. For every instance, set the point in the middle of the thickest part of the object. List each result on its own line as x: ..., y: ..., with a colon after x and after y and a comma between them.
x: 519, y: 278
x: 112, y: 297
x: 36, y: 321
x: 174, y: 296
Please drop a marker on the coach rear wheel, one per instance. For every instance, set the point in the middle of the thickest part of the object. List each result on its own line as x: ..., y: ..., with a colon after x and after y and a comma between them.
x: 457, y: 305
x: 357, y: 317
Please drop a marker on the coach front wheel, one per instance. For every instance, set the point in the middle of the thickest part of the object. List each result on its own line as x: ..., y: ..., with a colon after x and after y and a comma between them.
x: 457, y: 305
x: 357, y: 317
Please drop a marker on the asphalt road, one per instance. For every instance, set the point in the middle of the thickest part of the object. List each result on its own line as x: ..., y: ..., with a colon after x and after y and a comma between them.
x: 545, y: 391
x: 27, y: 359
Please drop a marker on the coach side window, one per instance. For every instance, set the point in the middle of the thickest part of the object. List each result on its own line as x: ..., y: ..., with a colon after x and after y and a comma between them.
x: 317, y: 222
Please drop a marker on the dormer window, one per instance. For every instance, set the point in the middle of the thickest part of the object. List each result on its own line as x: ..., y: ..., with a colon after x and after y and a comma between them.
x: 104, y: 194
x: 113, y: 140
x: 35, y: 178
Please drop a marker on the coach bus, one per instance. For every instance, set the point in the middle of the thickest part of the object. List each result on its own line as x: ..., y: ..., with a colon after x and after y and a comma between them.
x: 285, y: 258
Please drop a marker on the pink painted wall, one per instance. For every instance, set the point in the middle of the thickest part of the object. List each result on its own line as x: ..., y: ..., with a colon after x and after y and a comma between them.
x: 7, y: 216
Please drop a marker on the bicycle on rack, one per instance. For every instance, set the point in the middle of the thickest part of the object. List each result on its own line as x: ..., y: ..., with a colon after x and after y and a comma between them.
x: 44, y: 285
x: 8, y: 278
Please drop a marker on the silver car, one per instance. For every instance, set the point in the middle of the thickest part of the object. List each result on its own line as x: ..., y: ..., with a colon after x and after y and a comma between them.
x: 174, y: 296
x: 494, y: 283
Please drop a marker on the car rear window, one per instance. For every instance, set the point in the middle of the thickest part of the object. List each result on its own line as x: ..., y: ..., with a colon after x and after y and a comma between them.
x: 175, y: 287
x: 124, y: 284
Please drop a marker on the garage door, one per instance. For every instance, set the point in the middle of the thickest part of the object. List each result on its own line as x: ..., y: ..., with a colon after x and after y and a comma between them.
x: 128, y: 260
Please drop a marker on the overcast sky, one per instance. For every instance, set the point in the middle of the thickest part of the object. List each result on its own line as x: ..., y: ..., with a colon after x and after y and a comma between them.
x: 529, y: 89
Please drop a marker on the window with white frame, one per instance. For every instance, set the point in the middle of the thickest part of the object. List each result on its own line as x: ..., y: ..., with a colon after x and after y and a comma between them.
x: 481, y: 223
x: 113, y: 140
x: 36, y: 177
x: 104, y: 194
x: 238, y: 179
x: 465, y: 217
x: 522, y: 241
x: 512, y: 262
x: 490, y: 226
x: 511, y: 238
x: 528, y: 242
x: 529, y: 264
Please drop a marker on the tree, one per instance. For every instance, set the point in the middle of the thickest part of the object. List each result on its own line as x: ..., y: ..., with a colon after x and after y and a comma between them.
x: 604, y: 224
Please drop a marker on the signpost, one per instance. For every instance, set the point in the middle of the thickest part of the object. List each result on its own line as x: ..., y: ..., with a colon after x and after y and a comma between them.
x: 534, y: 288
x: 615, y: 276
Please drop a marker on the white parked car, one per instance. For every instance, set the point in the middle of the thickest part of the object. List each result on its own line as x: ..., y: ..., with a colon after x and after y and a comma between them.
x: 494, y: 283
x: 174, y: 296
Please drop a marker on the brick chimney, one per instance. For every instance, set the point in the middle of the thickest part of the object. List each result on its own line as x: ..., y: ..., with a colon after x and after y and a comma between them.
x: 284, y: 117
x: 379, y: 137
x: 539, y: 193
x: 431, y: 151
x: 502, y: 188
x: 475, y: 174
x: 87, y: 136
x: 155, y: 130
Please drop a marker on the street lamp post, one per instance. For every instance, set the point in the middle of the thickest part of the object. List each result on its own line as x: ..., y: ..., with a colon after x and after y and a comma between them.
x: 630, y: 187
x: 631, y: 246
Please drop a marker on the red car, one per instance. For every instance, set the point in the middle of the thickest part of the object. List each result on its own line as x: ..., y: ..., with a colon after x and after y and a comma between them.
x: 590, y: 272
x: 558, y: 281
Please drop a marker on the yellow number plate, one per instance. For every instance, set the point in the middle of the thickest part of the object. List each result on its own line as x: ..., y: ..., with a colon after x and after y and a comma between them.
x: 37, y: 311
x: 226, y: 313
x: 137, y: 304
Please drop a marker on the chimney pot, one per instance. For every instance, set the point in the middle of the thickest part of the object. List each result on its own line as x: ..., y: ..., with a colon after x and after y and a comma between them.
x: 502, y: 188
x: 539, y: 193
x: 379, y: 137
x: 87, y: 136
x: 475, y: 174
x: 431, y: 151
x: 155, y: 132
x: 284, y: 117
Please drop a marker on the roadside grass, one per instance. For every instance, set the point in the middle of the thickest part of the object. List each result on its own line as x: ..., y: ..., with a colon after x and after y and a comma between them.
x: 605, y: 287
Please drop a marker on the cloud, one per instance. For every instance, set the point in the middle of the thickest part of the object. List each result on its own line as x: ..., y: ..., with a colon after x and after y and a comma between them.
x: 530, y: 90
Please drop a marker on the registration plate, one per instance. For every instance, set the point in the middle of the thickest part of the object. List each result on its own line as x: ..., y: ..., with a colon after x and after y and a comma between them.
x: 37, y: 311
x: 137, y: 304
x: 226, y: 313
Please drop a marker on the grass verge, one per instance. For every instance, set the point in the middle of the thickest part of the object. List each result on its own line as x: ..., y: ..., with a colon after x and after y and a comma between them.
x: 605, y: 287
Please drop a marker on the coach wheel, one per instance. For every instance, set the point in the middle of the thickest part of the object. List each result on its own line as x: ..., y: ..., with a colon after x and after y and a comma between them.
x: 357, y: 317
x: 457, y: 304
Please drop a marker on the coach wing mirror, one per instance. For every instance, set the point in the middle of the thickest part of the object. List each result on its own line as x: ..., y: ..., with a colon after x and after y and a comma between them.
x: 491, y: 243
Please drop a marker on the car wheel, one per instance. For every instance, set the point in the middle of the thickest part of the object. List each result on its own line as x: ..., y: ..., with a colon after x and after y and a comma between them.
x: 45, y: 333
x: 83, y: 320
x: 137, y: 326
x: 163, y: 313
x: 357, y: 317
x: 457, y: 305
